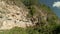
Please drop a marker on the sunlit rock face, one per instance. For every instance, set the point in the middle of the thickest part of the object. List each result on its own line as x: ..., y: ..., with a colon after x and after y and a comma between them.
x: 12, y: 15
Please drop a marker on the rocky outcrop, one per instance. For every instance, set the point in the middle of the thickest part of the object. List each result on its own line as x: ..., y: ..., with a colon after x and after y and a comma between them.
x: 16, y: 14
x: 11, y: 15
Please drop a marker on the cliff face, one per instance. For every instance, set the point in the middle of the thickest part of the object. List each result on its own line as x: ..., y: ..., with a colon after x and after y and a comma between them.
x: 14, y: 13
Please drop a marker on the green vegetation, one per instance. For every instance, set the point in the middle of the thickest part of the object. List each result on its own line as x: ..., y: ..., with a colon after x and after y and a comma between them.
x: 15, y: 30
x: 47, y: 26
x: 29, y: 2
x: 33, y: 30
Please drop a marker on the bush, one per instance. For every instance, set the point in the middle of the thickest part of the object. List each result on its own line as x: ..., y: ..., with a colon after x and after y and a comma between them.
x: 29, y: 2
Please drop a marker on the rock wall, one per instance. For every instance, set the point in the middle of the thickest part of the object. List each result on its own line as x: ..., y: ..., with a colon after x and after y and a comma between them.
x: 11, y: 15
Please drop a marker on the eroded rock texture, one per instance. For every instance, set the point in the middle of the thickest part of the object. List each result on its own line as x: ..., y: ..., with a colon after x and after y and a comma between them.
x: 12, y: 15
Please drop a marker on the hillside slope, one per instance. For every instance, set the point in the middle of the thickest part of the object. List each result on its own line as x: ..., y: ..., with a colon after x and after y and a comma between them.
x: 27, y: 17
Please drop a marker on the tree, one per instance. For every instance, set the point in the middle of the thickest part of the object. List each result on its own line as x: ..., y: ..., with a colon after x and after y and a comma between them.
x: 30, y: 2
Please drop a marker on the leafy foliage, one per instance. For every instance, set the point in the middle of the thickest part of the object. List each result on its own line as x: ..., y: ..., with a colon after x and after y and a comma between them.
x: 29, y: 2
x: 42, y: 27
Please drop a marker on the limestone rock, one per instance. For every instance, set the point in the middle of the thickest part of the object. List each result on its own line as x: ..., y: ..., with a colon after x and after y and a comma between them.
x: 12, y: 15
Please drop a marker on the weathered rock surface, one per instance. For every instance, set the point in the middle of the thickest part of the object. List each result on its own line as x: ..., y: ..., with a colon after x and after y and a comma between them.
x: 11, y: 15
x: 14, y: 13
